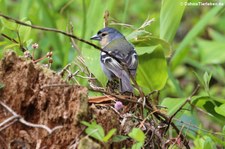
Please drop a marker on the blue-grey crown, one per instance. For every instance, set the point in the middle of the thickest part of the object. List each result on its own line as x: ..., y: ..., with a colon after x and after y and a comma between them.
x: 113, y: 33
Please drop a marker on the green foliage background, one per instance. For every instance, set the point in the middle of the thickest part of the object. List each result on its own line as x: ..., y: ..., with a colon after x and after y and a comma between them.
x: 183, y: 47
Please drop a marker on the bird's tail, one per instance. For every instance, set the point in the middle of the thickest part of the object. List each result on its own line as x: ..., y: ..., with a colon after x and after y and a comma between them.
x: 125, y: 85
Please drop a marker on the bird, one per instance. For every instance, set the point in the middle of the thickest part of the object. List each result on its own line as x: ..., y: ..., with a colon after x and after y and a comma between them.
x: 120, y: 52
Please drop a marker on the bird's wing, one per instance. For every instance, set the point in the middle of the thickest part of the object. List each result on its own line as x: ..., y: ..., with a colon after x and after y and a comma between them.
x: 111, y: 64
x: 130, y: 59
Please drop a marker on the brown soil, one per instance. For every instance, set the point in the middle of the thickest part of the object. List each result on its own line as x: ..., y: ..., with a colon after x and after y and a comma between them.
x: 26, y: 93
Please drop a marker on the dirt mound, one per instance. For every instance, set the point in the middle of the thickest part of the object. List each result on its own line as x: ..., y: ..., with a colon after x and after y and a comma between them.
x: 38, y: 96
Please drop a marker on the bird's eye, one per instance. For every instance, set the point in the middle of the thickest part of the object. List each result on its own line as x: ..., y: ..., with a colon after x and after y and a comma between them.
x: 99, y: 32
x: 104, y: 34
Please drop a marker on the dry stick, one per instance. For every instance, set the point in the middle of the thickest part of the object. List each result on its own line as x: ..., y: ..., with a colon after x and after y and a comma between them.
x: 23, y: 121
x: 55, y: 85
x: 187, y: 100
x: 20, y: 43
x: 169, y: 122
x: 61, y: 73
x: 97, y: 47
x: 14, y: 41
x: 193, y: 127
x: 70, y: 30
x: 117, y: 96
x: 106, y: 18
x: 9, y: 122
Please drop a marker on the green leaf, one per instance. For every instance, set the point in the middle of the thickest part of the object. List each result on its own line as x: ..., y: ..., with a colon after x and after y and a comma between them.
x: 152, y: 70
x: 217, y: 71
x: 216, y: 35
x: 173, y: 104
x: 109, y: 135
x: 204, y: 142
x: 200, y: 79
x: 144, y: 50
x: 2, y: 85
x: 216, y: 139
x: 211, y: 52
x: 137, y: 35
x: 174, y: 146
x: 94, y: 130
x: 220, y: 110
x: 10, y: 46
x: 208, y: 143
x: 223, y: 130
x: 137, y: 134
x: 26, y: 5
x: 181, y: 51
x: 203, y: 98
x: 207, y: 78
x: 208, y: 104
x: 151, y: 43
x: 176, y: 84
x: 170, y: 16
x: 119, y: 138
x: 9, y: 24
x: 97, y: 133
x: 204, y: 81
x: 92, y: 61
x: 86, y: 123
x: 137, y: 145
x: 24, y: 32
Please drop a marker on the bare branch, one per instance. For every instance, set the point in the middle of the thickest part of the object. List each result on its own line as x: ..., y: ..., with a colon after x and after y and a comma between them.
x: 187, y: 100
x: 169, y: 121
x: 8, y: 124
x: 55, y: 85
x: 14, y: 41
x: 8, y: 120
x: 23, y: 121
x: 70, y: 30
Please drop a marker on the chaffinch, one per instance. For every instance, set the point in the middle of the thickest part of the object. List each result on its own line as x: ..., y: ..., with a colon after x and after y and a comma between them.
x: 116, y: 44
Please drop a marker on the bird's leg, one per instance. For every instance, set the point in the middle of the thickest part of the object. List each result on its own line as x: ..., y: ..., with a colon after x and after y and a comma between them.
x: 112, y: 86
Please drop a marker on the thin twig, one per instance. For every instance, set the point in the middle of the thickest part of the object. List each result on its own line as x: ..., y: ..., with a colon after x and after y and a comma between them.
x: 23, y: 121
x: 56, y: 85
x: 192, y: 127
x: 169, y: 122
x: 187, y: 100
x: 8, y: 124
x: 61, y: 73
x: 14, y: 41
x: 119, y: 97
x: 38, y: 145
x: 8, y: 120
x: 106, y: 18
x: 73, y: 42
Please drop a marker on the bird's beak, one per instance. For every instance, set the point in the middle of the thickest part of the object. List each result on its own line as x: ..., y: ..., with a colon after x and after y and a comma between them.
x: 95, y: 37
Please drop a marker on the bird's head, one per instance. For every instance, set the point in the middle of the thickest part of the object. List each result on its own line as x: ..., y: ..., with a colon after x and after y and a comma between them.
x: 106, y: 35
